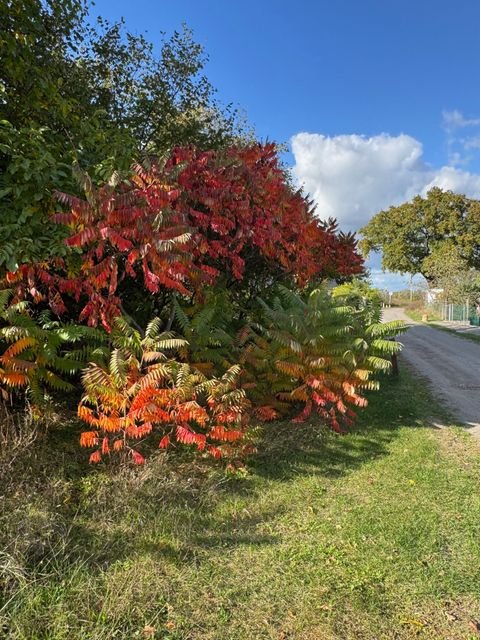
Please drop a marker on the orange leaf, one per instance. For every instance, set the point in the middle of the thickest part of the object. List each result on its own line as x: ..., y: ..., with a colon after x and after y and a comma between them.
x: 105, y: 446
x: 138, y: 458
x: 164, y: 442
x: 88, y: 438
x: 95, y: 457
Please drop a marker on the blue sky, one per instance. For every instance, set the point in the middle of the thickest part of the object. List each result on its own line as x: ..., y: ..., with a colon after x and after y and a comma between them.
x: 378, y: 99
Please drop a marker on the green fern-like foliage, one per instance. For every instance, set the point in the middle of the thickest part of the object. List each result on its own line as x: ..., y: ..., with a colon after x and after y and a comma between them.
x: 319, y: 354
x: 145, y: 388
x: 135, y: 360
x: 213, y: 331
x: 360, y: 295
x: 40, y: 354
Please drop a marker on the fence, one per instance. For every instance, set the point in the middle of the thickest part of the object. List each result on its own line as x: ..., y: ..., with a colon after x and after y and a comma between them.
x: 465, y: 312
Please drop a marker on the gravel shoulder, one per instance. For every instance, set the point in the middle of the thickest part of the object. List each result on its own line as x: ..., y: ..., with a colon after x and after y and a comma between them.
x: 450, y: 364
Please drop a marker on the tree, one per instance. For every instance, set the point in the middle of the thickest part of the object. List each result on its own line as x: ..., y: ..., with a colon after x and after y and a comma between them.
x: 450, y: 272
x: 168, y: 214
x: 406, y: 235
x: 95, y: 95
x: 192, y: 220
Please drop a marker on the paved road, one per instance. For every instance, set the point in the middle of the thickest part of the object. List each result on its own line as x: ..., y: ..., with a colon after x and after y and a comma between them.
x: 449, y: 363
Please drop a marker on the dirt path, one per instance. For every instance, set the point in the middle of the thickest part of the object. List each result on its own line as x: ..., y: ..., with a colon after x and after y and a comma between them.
x: 449, y: 363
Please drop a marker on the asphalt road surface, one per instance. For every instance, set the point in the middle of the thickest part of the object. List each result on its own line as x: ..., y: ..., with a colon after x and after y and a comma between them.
x: 450, y: 364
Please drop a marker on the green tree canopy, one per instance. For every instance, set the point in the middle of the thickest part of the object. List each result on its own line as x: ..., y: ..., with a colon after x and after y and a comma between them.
x: 97, y: 95
x: 450, y: 272
x: 408, y: 234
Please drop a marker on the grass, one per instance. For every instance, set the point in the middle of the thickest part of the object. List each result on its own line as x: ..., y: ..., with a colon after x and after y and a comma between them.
x: 417, y: 316
x: 372, y: 535
x: 473, y: 337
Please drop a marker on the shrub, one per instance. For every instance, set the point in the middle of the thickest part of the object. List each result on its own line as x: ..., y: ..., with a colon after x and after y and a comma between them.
x: 143, y: 390
x: 318, y: 355
x: 40, y: 353
x: 179, y: 225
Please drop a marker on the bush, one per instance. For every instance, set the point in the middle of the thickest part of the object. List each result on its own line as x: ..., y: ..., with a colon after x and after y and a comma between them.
x: 319, y: 355
x: 217, y: 246
x: 142, y: 390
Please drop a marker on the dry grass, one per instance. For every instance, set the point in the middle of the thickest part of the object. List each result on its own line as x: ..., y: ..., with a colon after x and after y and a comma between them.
x: 373, y: 535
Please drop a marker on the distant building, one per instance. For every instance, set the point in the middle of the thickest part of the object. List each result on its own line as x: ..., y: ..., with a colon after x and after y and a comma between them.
x: 431, y: 295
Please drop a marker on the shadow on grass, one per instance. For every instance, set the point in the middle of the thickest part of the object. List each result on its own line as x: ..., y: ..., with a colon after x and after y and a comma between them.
x: 174, y: 512
x: 288, y: 450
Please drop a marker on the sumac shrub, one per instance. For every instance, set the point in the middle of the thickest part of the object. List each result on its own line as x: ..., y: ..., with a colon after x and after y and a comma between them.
x: 143, y: 390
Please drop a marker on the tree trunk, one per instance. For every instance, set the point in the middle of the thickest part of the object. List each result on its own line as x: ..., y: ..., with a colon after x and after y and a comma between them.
x: 394, y: 360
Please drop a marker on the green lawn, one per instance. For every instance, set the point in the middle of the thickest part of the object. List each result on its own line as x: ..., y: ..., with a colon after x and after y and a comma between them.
x: 417, y: 314
x: 371, y: 535
x: 473, y: 337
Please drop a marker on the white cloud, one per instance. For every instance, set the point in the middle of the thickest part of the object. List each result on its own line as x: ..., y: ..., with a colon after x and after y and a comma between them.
x: 352, y: 177
x: 455, y: 119
x: 462, y: 136
x: 472, y: 142
x: 456, y: 180
x: 389, y: 280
